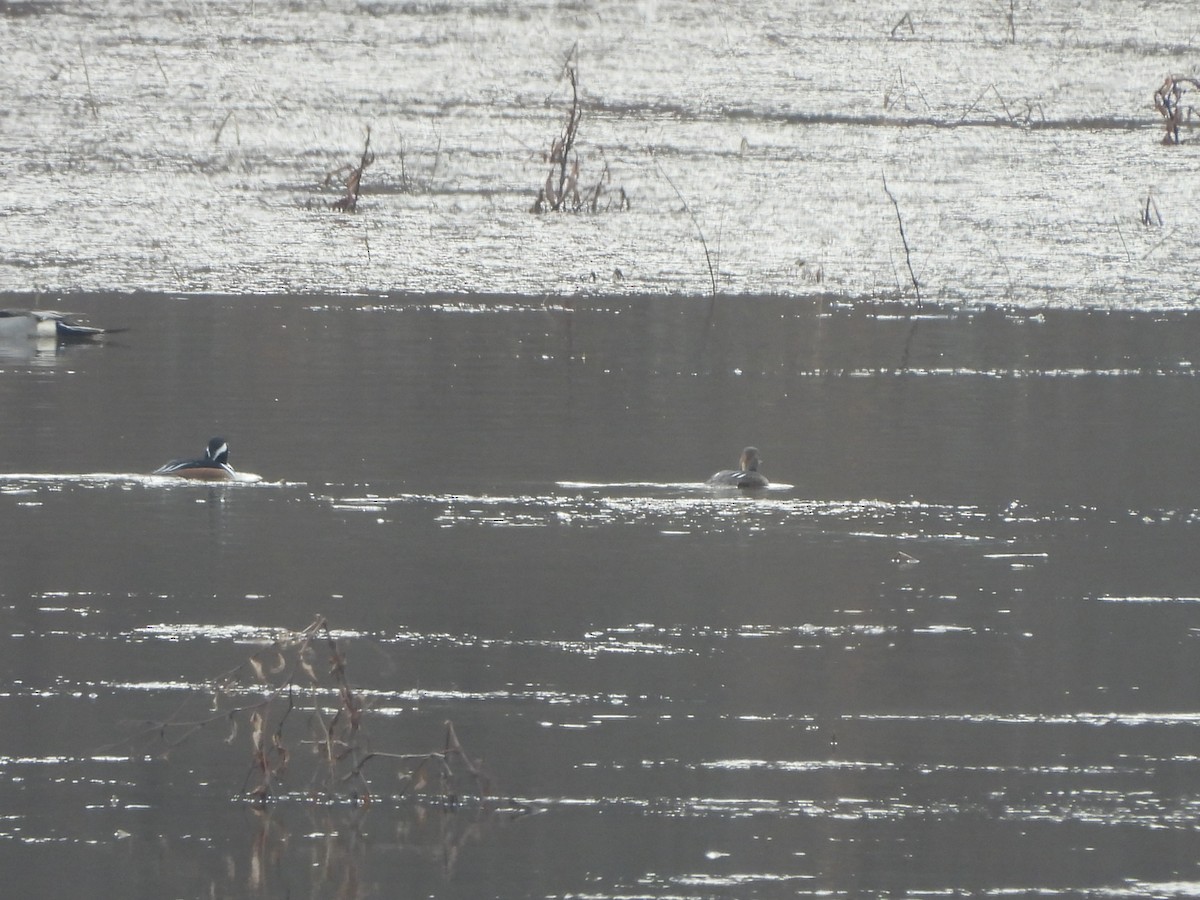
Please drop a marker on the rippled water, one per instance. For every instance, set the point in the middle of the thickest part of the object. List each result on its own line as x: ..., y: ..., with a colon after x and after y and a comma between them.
x: 951, y: 650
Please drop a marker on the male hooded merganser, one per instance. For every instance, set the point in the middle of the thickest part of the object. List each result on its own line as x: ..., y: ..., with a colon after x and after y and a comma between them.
x: 43, y: 323
x: 212, y: 466
x: 747, y: 476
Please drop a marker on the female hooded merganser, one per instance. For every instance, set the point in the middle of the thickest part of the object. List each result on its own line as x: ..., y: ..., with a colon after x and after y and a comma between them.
x: 745, y: 477
x: 43, y: 323
x: 212, y: 466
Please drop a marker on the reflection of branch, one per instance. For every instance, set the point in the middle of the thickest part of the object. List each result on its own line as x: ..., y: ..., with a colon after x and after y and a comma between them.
x: 335, y: 837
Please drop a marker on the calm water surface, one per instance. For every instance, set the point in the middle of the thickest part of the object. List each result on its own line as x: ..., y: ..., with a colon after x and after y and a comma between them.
x: 951, y: 651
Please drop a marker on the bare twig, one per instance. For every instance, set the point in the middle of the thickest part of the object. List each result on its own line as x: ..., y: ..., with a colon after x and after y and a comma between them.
x: 229, y: 117
x: 567, y: 187
x: 894, y: 96
x: 905, y: 19
x: 349, y: 201
x: 406, y: 183
x: 88, y: 79
x: 1151, y: 207
x: 904, y: 239
x: 712, y: 271
x: 1014, y: 116
x: 912, y: 331
x: 1128, y: 255
x: 1003, y: 263
x: 161, y: 70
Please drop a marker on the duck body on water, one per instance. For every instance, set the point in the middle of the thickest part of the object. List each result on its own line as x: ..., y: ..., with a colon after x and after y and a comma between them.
x: 746, y: 476
x: 45, y: 323
x: 212, y: 466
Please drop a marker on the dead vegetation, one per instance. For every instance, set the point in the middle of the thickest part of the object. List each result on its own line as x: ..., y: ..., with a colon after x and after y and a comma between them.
x: 563, y: 189
x: 1010, y: 17
x: 306, y: 727
x: 349, y: 177
x: 415, y: 184
x: 1018, y: 111
x: 229, y: 117
x: 1150, y: 214
x: 898, y: 93
x: 1170, y: 101
x: 905, y: 19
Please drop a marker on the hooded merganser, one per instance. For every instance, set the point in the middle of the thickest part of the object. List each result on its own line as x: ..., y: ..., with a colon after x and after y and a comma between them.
x: 747, y: 476
x: 42, y: 323
x: 212, y: 466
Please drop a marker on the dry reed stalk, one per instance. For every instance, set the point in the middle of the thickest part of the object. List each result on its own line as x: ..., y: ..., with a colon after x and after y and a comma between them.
x: 1151, y: 207
x: 561, y: 190
x: 353, y: 180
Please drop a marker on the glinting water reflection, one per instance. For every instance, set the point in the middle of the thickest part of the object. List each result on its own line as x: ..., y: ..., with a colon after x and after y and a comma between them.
x: 185, y: 148
x: 950, y: 651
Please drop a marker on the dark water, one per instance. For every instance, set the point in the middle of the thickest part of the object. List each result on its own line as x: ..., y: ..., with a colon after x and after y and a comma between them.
x: 952, y: 651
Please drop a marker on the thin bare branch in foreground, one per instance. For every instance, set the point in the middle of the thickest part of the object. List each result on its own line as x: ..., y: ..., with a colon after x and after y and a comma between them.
x: 904, y: 239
